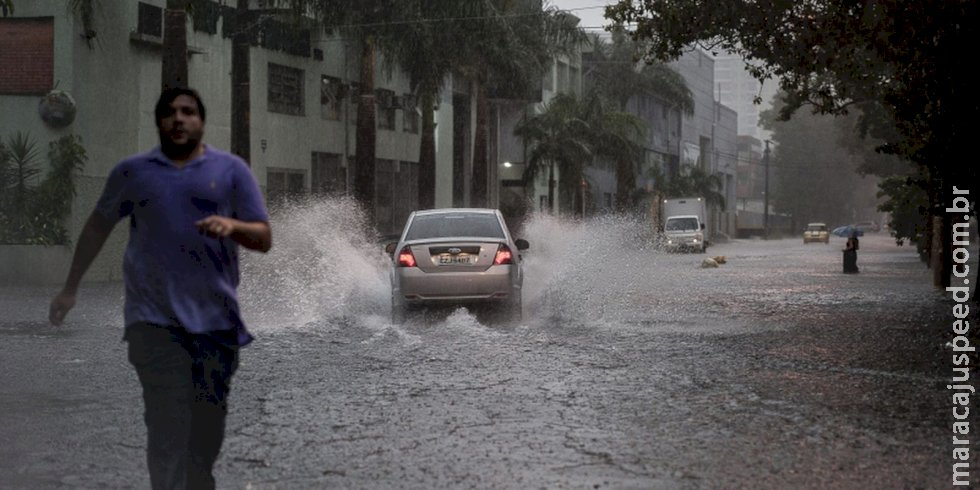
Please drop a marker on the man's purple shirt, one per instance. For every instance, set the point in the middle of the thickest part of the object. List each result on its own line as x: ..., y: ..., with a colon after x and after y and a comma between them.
x: 174, y: 274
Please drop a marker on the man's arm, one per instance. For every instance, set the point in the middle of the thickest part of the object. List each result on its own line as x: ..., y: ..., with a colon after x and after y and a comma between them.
x: 90, y: 241
x: 254, y: 235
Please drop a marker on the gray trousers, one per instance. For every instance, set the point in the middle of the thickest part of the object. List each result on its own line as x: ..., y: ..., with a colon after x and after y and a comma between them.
x: 185, y: 379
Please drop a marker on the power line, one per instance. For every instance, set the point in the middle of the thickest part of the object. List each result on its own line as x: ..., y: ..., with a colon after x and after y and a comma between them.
x: 457, y: 19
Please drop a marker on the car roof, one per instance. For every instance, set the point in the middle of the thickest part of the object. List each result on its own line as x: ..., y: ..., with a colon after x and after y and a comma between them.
x: 455, y: 210
x: 815, y: 224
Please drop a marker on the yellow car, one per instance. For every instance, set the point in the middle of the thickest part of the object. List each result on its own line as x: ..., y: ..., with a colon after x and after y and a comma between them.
x: 816, y: 232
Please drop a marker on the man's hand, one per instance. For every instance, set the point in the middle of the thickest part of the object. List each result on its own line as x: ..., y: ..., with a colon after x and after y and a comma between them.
x: 217, y: 226
x: 60, y: 306
x: 90, y: 241
x: 254, y: 235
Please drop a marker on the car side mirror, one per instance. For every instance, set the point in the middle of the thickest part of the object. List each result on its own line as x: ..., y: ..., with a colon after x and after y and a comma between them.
x: 522, y: 244
x: 390, y: 248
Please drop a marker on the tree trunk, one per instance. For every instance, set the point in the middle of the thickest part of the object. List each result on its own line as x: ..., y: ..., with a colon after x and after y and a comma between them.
x: 551, y: 187
x: 625, y: 183
x: 946, y: 256
x: 240, y: 86
x: 366, y: 133
x: 478, y: 196
x: 941, y: 250
x: 427, y: 153
x: 936, y: 256
x: 174, y: 69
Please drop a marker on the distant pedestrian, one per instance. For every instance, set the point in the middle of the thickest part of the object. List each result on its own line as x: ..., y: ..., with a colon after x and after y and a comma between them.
x: 189, y: 207
x: 850, y: 254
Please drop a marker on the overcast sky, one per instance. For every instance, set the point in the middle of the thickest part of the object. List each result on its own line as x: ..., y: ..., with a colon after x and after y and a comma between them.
x: 590, y: 11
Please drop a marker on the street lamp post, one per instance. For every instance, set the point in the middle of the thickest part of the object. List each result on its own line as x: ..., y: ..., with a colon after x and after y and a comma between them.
x: 765, y: 195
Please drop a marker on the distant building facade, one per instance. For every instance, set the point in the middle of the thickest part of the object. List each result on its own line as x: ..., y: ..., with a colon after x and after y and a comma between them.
x: 662, y: 147
x: 709, y: 136
x: 738, y: 89
x: 302, y: 109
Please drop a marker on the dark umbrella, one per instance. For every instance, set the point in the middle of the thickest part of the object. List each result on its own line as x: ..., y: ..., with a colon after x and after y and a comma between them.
x: 846, y: 231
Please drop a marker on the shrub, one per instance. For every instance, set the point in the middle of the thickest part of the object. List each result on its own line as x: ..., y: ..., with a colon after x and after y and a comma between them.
x: 33, y: 209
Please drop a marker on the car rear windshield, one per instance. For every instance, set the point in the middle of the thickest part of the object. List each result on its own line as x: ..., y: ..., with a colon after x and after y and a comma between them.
x: 817, y: 228
x: 453, y: 225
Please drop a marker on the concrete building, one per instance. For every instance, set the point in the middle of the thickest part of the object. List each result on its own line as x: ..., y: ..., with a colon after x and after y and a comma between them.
x: 709, y: 136
x: 662, y: 146
x: 302, y: 116
x: 509, y: 152
x: 750, y: 187
x: 738, y: 89
x: 726, y: 166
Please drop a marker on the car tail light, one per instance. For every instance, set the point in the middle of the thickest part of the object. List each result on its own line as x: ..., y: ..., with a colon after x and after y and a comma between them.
x: 503, y: 256
x: 405, y: 258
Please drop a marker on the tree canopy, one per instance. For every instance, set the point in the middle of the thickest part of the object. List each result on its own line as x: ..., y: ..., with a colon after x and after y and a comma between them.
x: 901, y: 60
x: 815, y: 175
x: 618, y: 74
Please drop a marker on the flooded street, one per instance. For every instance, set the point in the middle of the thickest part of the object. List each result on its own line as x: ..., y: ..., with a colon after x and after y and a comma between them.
x: 632, y: 369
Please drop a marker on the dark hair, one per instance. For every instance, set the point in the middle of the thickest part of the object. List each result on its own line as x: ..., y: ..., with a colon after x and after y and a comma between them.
x: 167, y: 97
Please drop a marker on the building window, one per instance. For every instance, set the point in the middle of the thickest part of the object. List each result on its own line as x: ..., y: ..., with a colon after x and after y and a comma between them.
x: 411, y: 117
x: 549, y: 78
x: 331, y: 95
x: 563, y: 85
x: 396, y: 193
x: 327, y: 175
x: 27, y: 54
x: 285, y: 90
x: 283, y: 185
x: 386, y: 108
x: 150, y: 21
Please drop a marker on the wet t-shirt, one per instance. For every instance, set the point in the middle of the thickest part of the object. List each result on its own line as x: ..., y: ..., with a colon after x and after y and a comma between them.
x: 175, y: 275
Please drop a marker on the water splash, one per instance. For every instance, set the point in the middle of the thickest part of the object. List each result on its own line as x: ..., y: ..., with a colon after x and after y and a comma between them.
x: 325, y: 263
x: 587, y: 271
x: 327, y: 268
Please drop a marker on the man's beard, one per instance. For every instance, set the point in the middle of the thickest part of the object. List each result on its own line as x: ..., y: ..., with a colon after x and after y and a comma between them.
x: 178, y: 151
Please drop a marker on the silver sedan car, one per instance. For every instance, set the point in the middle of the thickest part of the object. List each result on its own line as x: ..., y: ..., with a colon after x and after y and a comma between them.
x: 457, y: 257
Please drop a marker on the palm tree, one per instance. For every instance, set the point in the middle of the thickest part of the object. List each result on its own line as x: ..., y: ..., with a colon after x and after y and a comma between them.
x: 499, y: 46
x: 571, y: 134
x: 618, y: 77
x: 691, y: 181
x: 241, y: 129
x: 617, y: 141
x: 507, y: 51
x: 427, y: 63
x: 174, y: 70
x: 375, y: 26
x: 423, y: 56
x: 558, y: 136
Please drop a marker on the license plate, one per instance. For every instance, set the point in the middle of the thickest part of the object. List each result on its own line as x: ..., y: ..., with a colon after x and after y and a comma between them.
x: 456, y: 259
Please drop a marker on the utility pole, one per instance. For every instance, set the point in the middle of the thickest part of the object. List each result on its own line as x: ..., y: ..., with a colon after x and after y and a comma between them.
x: 241, y: 92
x: 765, y: 195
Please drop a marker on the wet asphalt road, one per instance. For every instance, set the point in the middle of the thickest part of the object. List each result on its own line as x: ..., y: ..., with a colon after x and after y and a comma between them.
x: 632, y: 369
